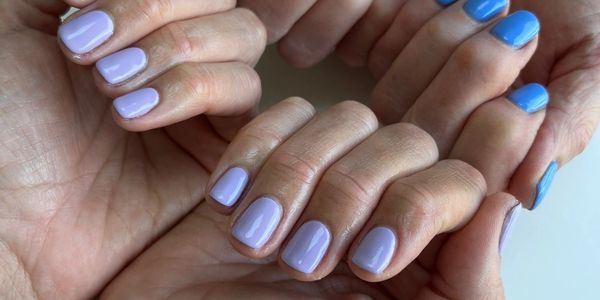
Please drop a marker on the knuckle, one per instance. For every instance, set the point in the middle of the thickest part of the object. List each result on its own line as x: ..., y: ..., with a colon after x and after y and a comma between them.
x: 348, y: 187
x: 300, y: 104
x: 294, y: 166
x: 357, y: 112
x: 469, y: 56
x: 465, y: 174
x: 180, y: 43
x: 261, y: 135
x: 154, y: 9
x: 418, y: 209
x: 197, y: 81
x: 252, y: 24
x: 416, y: 138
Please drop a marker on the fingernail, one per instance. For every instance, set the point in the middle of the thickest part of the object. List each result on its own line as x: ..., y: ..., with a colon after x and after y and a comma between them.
x: 446, y: 2
x: 230, y: 186
x: 122, y: 65
x: 136, y: 104
x: 507, y: 227
x: 258, y: 222
x: 86, y: 32
x: 517, y: 29
x: 484, y: 10
x: 375, y: 251
x: 308, y: 246
x: 544, y: 185
x: 530, y: 98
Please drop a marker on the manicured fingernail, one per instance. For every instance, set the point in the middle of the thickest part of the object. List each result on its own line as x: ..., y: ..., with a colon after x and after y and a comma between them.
x: 122, y: 65
x: 136, y: 104
x: 507, y: 227
x: 484, y: 10
x: 258, y: 222
x: 446, y: 2
x: 86, y: 32
x: 230, y: 186
x: 530, y: 98
x: 375, y: 251
x: 544, y: 185
x: 517, y: 29
x: 308, y: 246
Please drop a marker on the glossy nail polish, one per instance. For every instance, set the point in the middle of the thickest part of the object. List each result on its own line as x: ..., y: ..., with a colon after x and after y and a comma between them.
x: 122, y: 65
x: 518, y: 29
x: 375, y: 251
x: 136, y: 104
x: 258, y: 222
x: 446, y: 2
x: 86, y: 32
x: 308, y: 246
x: 229, y: 187
x: 531, y: 97
x: 544, y: 184
x: 508, y: 226
x: 484, y: 10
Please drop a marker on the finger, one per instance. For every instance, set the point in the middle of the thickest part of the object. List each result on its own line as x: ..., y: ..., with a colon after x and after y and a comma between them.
x: 235, y: 35
x: 411, y: 17
x: 427, y: 52
x: 278, y: 15
x: 498, y: 135
x: 189, y: 90
x: 250, y: 149
x: 315, y: 35
x: 284, y: 184
x: 79, y: 3
x: 481, y: 69
x: 411, y: 213
x: 347, y: 194
x: 571, y: 120
x: 354, y: 48
x: 109, y: 25
x: 471, y: 270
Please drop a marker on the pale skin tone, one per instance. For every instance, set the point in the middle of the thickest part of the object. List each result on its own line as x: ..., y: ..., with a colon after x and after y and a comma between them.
x: 388, y: 33
x: 81, y: 197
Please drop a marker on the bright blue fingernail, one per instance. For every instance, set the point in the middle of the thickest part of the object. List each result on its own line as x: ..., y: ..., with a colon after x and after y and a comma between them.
x: 446, y: 2
x: 484, y: 10
x: 545, y: 183
x: 517, y: 29
x: 530, y: 98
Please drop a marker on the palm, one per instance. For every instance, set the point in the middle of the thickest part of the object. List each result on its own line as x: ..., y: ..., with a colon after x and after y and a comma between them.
x: 81, y: 197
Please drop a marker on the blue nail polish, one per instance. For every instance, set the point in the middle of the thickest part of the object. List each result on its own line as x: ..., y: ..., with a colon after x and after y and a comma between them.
x: 545, y: 183
x: 484, y: 10
x: 446, y: 2
x: 517, y: 29
x: 530, y: 98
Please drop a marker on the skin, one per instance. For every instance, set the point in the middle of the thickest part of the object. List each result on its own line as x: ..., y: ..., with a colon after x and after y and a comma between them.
x: 566, y: 62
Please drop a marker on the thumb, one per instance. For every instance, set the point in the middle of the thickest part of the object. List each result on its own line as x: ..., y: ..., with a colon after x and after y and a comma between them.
x: 468, y: 265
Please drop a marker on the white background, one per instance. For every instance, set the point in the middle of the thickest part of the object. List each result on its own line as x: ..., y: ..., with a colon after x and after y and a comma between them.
x: 554, y: 252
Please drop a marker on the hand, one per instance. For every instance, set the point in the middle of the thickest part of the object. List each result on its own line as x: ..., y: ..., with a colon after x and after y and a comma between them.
x: 196, y: 260
x: 309, y: 30
x: 568, y: 62
x: 80, y: 196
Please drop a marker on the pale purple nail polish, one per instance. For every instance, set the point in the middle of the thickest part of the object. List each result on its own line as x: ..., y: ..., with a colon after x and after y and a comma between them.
x: 122, y: 65
x: 308, y: 246
x: 258, y: 222
x: 86, y: 32
x: 507, y: 227
x: 230, y: 186
x: 136, y: 104
x: 375, y: 251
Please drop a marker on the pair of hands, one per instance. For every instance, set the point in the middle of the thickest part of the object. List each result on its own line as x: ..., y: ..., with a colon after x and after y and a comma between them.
x: 107, y: 194
x: 385, y: 34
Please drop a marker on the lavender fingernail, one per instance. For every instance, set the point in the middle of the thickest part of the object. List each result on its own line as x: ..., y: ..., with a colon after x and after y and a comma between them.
x: 122, y: 65
x: 375, y: 251
x: 507, y: 227
x: 308, y: 246
x: 136, y: 104
x: 258, y: 222
x: 86, y: 32
x: 230, y: 186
